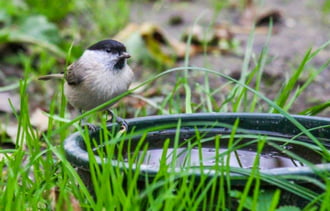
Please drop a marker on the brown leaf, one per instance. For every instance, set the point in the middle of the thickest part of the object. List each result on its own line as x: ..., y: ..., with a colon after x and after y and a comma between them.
x: 147, y: 42
x: 265, y: 17
x: 72, y: 202
x: 133, y: 102
x: 249, y: 14
x: 260, y: 17
x: 181, y: 48
x: 216, y: 36
x: 39, y: 120
x: 164, y: 48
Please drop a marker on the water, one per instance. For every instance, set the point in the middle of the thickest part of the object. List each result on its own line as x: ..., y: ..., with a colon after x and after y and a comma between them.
x: 209, y: 157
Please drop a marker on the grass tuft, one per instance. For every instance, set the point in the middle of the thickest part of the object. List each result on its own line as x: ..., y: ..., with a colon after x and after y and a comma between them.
x: 36, y: 175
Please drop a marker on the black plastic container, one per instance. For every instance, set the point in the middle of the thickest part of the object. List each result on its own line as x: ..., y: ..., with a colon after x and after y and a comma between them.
x: 164, y: 127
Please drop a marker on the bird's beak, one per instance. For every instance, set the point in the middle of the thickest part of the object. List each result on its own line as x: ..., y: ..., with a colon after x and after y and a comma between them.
x: 124, y: 55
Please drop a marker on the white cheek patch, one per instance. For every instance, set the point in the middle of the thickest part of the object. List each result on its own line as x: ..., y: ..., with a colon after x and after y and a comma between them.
x: 101, y: 82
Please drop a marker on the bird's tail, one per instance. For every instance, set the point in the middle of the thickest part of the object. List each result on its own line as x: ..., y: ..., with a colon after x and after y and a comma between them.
x: 51, y: 76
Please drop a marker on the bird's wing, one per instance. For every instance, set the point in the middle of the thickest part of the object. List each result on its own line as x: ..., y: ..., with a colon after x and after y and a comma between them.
x: 72, y: 76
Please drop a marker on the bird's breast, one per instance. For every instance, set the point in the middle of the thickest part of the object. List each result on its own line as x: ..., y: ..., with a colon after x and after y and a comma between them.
x: 98, y: 88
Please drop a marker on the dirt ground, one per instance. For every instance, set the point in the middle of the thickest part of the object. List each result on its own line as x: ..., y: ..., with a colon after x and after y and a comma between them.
x: 303, y: 26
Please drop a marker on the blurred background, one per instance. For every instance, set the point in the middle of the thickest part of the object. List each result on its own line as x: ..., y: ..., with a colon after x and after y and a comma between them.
x: 231, y: 36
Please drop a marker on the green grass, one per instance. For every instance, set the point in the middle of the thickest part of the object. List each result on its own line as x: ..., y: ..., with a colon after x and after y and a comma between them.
x: 36, y: 170
x: 37, y: 167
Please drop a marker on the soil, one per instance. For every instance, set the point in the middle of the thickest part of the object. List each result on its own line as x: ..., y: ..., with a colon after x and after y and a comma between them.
x: 303, y: 26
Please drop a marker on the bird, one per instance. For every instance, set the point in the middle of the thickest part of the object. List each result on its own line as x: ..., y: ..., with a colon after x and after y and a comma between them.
x: 100, y: 74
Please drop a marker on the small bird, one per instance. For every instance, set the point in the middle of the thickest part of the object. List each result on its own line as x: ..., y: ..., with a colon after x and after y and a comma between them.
x: 99, y: 75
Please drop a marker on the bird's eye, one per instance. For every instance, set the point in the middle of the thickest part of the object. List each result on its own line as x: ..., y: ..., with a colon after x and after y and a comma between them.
x: 108, y: 50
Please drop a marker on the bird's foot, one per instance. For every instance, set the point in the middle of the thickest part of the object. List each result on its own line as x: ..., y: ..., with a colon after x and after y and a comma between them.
x: 83, y: 124
x: 123, y: 124
x: 90, y: 127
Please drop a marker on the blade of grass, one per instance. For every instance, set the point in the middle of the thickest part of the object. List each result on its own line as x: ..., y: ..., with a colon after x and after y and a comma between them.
x: 284, y: 94
x: 260, y: 95
x: 71, y: 172
x: 316, y: 109
x: 254, y: 175
x: 240, y: 90
x: 186, y: 64
x: 310, y: 79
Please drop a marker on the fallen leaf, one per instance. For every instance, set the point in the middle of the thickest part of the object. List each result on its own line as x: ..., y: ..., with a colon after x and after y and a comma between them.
x: 133, y: 102
x: 72, y: 202
x: 218, y: 38
x: 157, y: 44
x: 149, y: 41
x: 39, y: 120
x: 259, y: 17
x: 249, y: 14
x: 8, y: 134
x: 266, y: 16
x: 146, y: 42
x: 181, y: 48
x: 5, y: 97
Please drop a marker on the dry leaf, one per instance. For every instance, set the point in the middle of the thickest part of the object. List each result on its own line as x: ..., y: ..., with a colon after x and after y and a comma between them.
x: 218, y: 38
x: 266, y: 16
x: 9, y: 133
x: 72, y: 202
x: 181, y: 48
x: 39, y: 120
x: 260, y: 17
x: 249, y: 14
x: 147, y: 42
x: 157, y: 44
x: 133, y: 102
x: 4, y: 102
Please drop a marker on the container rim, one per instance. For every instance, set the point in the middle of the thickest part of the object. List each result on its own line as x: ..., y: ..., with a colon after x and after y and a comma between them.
x: 256, y: 122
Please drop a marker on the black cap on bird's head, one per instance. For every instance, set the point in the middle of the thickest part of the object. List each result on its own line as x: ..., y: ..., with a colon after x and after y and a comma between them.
x: 110, y: 46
